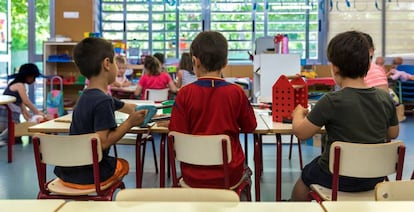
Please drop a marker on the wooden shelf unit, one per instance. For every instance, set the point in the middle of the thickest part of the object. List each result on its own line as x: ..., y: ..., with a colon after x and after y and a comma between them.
x: 65, y: 69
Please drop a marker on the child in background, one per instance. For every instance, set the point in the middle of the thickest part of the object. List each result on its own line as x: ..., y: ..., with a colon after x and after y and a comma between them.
x: 185, y: 74
x: 211, y: 106
x: 161, y: 59
x: 396, y: 74
x: 153, y: 78
x: 376, y: 76
x: 94, y: 113
x: 27, y: 75
x: 121, y: 80
x: 356, y: 113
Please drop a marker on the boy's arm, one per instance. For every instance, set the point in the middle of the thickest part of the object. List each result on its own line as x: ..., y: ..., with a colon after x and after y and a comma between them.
x: 393, y: 132
x: 302, y: 127
x: 109, y: 137
x: 128, y: 108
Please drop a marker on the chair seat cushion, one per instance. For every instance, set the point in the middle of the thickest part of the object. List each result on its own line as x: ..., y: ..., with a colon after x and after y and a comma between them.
x: 326, y: 194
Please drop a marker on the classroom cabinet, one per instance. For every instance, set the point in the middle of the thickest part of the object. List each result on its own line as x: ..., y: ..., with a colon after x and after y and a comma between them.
x: 57, y: 60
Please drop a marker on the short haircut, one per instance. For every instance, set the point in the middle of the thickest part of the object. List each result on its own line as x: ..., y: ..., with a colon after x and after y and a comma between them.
x: 186, y: 63
x: 210, y: 47
x: 349, y: 51
x: 160, y: 57
x: 152, y: 65
x: 369, y: 39
x: 90, y: 53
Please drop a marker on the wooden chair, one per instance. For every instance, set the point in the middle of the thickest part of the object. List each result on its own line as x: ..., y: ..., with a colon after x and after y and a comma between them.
x: 395, y: 191
x: 177, y: 195
x: 361, y: 161
x: 205, y: 150
x: 72, y: 150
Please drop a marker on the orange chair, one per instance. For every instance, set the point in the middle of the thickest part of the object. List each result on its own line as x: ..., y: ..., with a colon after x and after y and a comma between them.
x: 361, y: 161
x: 70, y: 150
x: 205, y: 150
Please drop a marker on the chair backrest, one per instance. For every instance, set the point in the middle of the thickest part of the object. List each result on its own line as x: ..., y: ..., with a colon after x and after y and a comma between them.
x: 367, y: 160
x: 204, y: 150
x: 395, y: 191
x: 177, y: 195
x: 157, y: 95
x: 67, y: 150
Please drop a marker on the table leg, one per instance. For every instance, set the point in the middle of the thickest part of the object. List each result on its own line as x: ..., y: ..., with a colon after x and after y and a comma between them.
x: 162, y: 160
x: 257, y: 165
x: 10, y: 138
x: 278, y: 167
x: 138, y: 164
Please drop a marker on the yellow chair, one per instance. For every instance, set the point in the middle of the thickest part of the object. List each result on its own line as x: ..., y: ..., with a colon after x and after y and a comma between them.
x: 395, y: 191
x: 205, y: 150
x: 177, y: 195
x: 361, y: 161
x: 70, y: 150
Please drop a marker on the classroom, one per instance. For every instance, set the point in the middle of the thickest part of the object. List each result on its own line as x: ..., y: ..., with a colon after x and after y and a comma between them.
x: 152, y: 60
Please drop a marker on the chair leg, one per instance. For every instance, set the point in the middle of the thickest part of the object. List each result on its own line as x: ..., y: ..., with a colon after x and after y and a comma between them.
x: 154, y: 155
x: 290, y: 147
x: 144, y: 144
x: 246, y: 149
x: 300, y: 154
x: 115, y: 151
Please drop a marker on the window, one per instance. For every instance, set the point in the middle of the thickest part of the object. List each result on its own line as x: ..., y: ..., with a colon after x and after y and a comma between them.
x: 159, y: 25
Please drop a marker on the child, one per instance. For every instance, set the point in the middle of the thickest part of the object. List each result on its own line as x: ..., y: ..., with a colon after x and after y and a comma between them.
x: 121, y: 80
x: 27, y: 75
x: 153, y: 78
x: 94, y: 113
x: 376, y: 76
x: 185, y: 74
x: 395, y: 74
x: 212, y: 106
x: 161, y: 59
x: 356, y: 113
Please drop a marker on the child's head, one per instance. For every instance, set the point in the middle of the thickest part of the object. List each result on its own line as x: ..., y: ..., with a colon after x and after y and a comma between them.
x: 349, y: 52
x: 210, y: 48
x: 27, y: 73
x: 185, y: 62
x: 90, y: 53
x: 121, y: 62
x: 152, y: 65
x: 371, y: 46
x: 160, y: 57
x: 397, y: 61
x: 379, y: 61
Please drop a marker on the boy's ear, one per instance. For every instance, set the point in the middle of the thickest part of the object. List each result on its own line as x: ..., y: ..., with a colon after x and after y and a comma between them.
x: 106, y: 63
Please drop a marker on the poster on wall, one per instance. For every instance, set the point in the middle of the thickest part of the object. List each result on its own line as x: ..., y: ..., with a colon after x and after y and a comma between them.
x: 3, y: 32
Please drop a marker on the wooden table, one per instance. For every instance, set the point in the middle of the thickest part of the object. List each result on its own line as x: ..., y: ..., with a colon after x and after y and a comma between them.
x: 191, y: 206
x: 278, y: 129
x: 31, y: 205
x: 5, y: 100
x: 367, y: 206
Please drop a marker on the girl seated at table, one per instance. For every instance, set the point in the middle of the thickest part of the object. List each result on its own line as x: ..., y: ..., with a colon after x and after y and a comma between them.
x: 185, y: 74
x: 154, y: 78
x: 121, y: 80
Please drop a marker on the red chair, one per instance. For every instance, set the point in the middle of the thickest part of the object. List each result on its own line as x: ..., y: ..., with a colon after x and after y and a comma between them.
x: 361, y: 161
x: 72, y: 150
x: 205, y: 150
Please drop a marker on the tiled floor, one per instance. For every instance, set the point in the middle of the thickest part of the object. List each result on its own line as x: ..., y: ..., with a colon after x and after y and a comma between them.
x: 18, y: 180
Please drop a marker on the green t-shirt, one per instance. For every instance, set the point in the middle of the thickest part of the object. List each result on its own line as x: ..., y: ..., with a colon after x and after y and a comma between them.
x: 353, y: 115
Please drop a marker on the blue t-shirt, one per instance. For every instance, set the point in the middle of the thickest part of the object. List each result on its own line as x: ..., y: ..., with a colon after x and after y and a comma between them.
x: 94, y: 111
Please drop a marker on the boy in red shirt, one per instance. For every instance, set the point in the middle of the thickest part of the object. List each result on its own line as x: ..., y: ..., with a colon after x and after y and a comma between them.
x: 211, y: 106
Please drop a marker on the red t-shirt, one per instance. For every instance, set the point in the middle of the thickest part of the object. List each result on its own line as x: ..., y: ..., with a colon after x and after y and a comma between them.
x: 154, y: 82
x: 212, y: 106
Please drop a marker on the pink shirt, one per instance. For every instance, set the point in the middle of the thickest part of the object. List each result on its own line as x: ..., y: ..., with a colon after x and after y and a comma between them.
x: 376, y: 76
x: 154, y: 82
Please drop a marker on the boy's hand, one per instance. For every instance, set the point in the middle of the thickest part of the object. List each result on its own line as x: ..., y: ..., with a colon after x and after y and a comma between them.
x: 299, y: 112
x: 137, y: 117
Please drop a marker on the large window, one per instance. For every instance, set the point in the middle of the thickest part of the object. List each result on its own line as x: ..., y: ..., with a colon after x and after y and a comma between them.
x: 169, y: 26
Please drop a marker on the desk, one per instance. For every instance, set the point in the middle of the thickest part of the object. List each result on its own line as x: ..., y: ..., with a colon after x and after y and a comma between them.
x: 30, y: 205
x: 367, y: 206
x: 278, y: 129
x: 191, y: 206
x: 5, y: 100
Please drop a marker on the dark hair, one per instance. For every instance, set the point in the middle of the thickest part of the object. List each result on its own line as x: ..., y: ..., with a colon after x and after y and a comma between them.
x: 369, y: 39
x: 90, y: 53
x: 25, y: 70
x: 349, y: 51
x: 210, y: 47
x: 186, y: 63
x: 152, y: 65
x: 160, y: 57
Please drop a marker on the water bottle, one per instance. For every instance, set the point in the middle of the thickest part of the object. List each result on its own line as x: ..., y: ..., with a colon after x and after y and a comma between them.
x: 285, y: 44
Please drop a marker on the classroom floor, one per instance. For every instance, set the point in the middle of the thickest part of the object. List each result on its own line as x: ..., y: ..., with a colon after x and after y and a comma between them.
x: 18, y: 180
